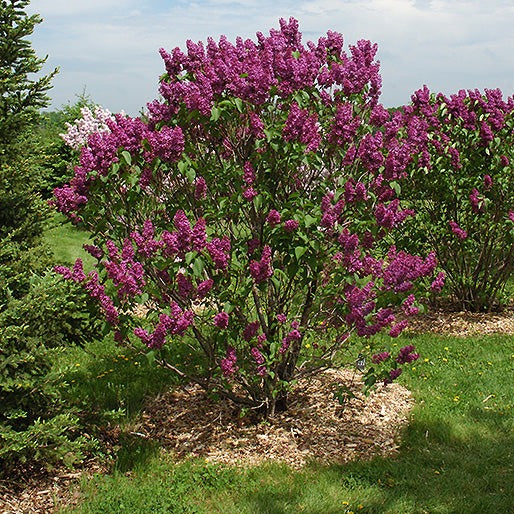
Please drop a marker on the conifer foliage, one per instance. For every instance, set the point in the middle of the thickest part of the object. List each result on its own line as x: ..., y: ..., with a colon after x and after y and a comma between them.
x: 21, y: 94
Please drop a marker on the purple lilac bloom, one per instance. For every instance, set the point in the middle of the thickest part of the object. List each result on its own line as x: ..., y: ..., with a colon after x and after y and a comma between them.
x: 204, y: 287
x: 273, y: 217
x: 438, y: 283
x: 228, y: 364
x: 406, y: 355
x: 200, y: 188
x: 93, y: 250
x: 291, y: 225
x: 251, y: 330
x: 393, y: 375
x: 262, y: 270
x: 249, y: 194
x: 397, y: 329
x: 380, y: 357
x: 248, y: 173
x: 459, y: 232
x: 257, y: 355
x: 199, y: 236
x: 221, y: 320
x: 476, y: 201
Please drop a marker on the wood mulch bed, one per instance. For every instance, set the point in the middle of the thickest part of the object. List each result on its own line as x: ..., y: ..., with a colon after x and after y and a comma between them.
x: 463, y: 324
x: 316, y: 426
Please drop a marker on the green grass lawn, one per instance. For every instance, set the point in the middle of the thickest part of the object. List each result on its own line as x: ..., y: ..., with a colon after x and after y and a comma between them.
x: 456, y: 454
x: 66, y: 242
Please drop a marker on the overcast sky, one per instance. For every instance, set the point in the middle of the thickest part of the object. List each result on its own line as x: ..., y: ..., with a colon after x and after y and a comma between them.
x: 110, y: 47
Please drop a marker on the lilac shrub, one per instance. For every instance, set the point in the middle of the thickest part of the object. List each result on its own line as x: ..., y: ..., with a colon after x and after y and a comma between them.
x: 461, y: 186
x: 248, y: 212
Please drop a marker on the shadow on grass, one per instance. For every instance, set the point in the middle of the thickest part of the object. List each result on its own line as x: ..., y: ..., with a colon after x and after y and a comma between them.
x: 135, y: 452
x: 438, y: 471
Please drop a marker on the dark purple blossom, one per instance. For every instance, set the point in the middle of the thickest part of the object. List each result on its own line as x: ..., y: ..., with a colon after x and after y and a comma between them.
x: 459, y: 232
x: 221, y: 320
x: 291, y: 225
x: 377, y: 358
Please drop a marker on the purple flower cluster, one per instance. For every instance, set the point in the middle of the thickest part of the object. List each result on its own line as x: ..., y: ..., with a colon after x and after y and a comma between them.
x: 389, y: 216
x: 126, y: 273
x: 291, y: 225
x: 403, y: 269
x: 393, y: 375
x: 250, y: 331
x: 459, y: 232
x: 249, y: 194
x: 221, y: 320
x: 219, y: 250
x: 273, y: 217
x: 262, y: 270
x: 93, y: 287
x: 204, y: 288
x: 345, y: 125
x: 406, y: 355
x: 377, y: 358
x: 167, y: 144
x: 145, y: 242
x: 477, y: 202
x: 257, y: 355
x: 293, y: 335
x: 248, y: 173
x: 398, y: 328
x: 200, y: 188
x: 249, y: 71
x: 175, y: 323
x: 438, y: 284
x: 228, y: 364
x: 303, y: 127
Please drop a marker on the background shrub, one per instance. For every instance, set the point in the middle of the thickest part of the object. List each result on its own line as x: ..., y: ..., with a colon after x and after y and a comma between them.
x: 460, y: 185
x: 35, y: 421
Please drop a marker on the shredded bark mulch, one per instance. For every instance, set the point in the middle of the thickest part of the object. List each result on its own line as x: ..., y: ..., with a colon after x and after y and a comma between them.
x: 463, y: 324
x: 315, y: 426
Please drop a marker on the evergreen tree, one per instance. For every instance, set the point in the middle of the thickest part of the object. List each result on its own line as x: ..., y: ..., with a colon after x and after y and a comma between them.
x: 21, y: 94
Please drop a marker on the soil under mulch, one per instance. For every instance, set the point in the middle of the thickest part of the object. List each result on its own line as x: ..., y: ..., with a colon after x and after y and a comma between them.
x: 316, y: 426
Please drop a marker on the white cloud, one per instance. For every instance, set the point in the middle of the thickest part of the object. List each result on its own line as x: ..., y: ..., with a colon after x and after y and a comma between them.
x: 111, y: 45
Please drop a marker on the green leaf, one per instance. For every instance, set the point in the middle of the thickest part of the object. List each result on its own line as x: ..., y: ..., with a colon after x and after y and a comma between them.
x: 228, y: 307
x: 198, y: 266
x: 190, y: 174
x: 151, y: 357
x: 239, y: 104
x: 309, y: 220
x: 127, y: 157
x: 299, y: 251
x: 215, y: 113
